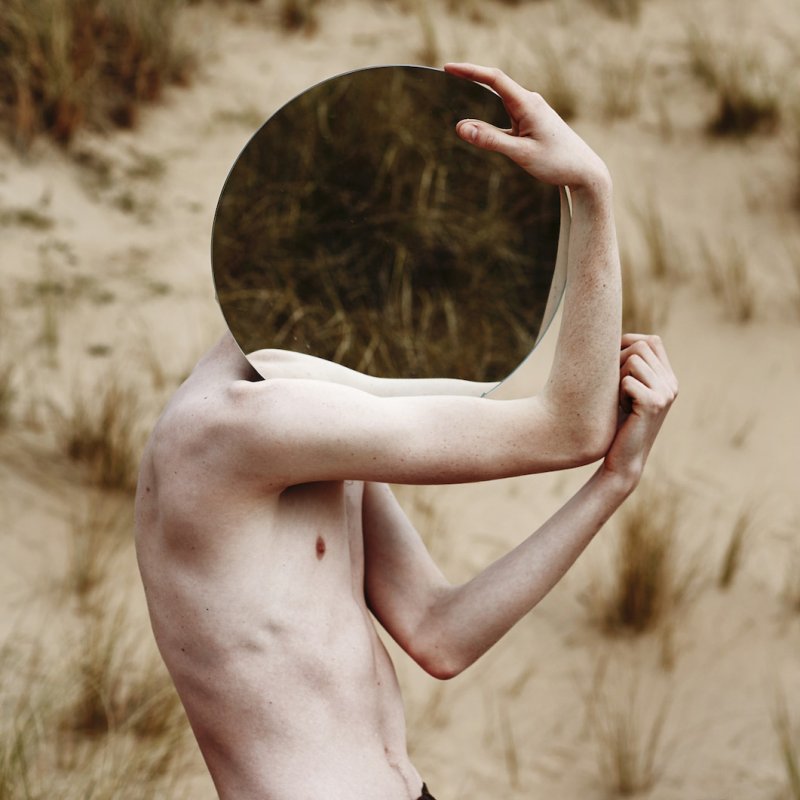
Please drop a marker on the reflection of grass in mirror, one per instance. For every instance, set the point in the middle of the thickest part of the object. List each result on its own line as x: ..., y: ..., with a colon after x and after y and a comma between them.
x: 384, y: 238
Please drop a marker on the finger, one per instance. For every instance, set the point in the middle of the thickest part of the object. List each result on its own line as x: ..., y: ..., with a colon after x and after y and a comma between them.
x: 653, y: 340
x: 510, y: 91
x: 488, y: 137
x: 636, y: 395
x: 651, y: 349
x: 640, y: 369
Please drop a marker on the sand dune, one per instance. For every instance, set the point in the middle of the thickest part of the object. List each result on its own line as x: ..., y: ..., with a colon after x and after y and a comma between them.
x: 106, y: 280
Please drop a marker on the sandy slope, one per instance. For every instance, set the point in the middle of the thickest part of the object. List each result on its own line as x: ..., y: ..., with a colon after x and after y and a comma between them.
x: 127, y: 237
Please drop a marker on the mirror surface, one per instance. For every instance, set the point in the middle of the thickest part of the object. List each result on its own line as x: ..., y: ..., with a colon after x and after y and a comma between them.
x: 357, y: 227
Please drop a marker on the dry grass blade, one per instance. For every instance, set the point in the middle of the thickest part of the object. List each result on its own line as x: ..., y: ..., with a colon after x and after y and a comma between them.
x: 728, y: 273
x: 428, y: 53
x: 660, y: 245
x: 7, y: 393
x: 644, y: 308
x: 553, y: 81
x: 116, y: 690
x: 629, y: 733
x: 23, y: 707
x: 734, y: 552
x: 789, y: 744
x: 790, y: 593
x: 627, y: 10
x: 620, y: 85
x: 97, y: 531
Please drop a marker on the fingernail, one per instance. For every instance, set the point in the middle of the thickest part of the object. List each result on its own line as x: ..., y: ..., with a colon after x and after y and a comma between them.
x: 470, y: 132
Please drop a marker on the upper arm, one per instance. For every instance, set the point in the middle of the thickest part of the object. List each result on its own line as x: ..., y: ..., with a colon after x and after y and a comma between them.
x: 290, y: 431
x: 402, y: 583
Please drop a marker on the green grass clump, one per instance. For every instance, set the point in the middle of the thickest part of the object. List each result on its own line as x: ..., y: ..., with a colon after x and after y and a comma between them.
x: 69, y: 63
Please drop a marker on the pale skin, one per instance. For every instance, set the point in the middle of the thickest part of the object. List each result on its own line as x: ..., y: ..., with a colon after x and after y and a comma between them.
x: 268, y: 538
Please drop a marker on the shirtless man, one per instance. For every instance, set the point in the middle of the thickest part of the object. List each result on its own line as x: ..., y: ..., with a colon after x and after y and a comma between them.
x: 268, y: 539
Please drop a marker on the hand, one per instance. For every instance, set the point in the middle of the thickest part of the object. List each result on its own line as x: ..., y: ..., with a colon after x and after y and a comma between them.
x: 648, y: 387
x: 538, y: 139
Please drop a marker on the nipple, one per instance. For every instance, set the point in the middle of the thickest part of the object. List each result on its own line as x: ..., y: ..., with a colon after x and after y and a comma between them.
x: 320, y: 547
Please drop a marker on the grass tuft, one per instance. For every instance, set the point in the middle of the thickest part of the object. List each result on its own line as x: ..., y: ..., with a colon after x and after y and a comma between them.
x: 428, y: 52
x: 553, y: 81
x: 299, y: 15
x: 97, y: 531
x: 661, y: 256
x: 629, y: 733
x: 69, y: 63
x: 644, y: 307
x: 626, y: 10
x: 115, y: 689
x: 747, y: 97
x: 728, y: 273
x: 620, y: 86
x: 643, y: 586
x: 101, y: 433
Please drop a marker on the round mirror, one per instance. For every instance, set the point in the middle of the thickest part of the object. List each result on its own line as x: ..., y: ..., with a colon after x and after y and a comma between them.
x: 356, y: 226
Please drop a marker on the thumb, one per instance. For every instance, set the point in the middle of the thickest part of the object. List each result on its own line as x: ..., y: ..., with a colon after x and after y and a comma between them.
x: 488, y: 137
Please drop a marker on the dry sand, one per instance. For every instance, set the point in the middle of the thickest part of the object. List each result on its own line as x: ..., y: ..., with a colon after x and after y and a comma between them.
x: 115, y: 277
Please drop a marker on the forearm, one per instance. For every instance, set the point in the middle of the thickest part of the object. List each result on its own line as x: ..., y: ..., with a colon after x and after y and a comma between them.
x: 468, y: 619
x: 582, y: 387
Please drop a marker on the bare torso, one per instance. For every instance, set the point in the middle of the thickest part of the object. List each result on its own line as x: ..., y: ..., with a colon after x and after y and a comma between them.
x: 257, y: 603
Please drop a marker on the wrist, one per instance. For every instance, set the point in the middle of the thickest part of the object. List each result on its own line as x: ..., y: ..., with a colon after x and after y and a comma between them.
x: 596, y: 187
x: 618, y: 484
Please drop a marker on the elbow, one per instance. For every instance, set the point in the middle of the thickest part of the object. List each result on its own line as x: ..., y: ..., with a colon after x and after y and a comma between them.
x: 593, y: 440
x: 439, y: 657
x: 587, y: 437
x: 441, y: 666
x: 581, y: 436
